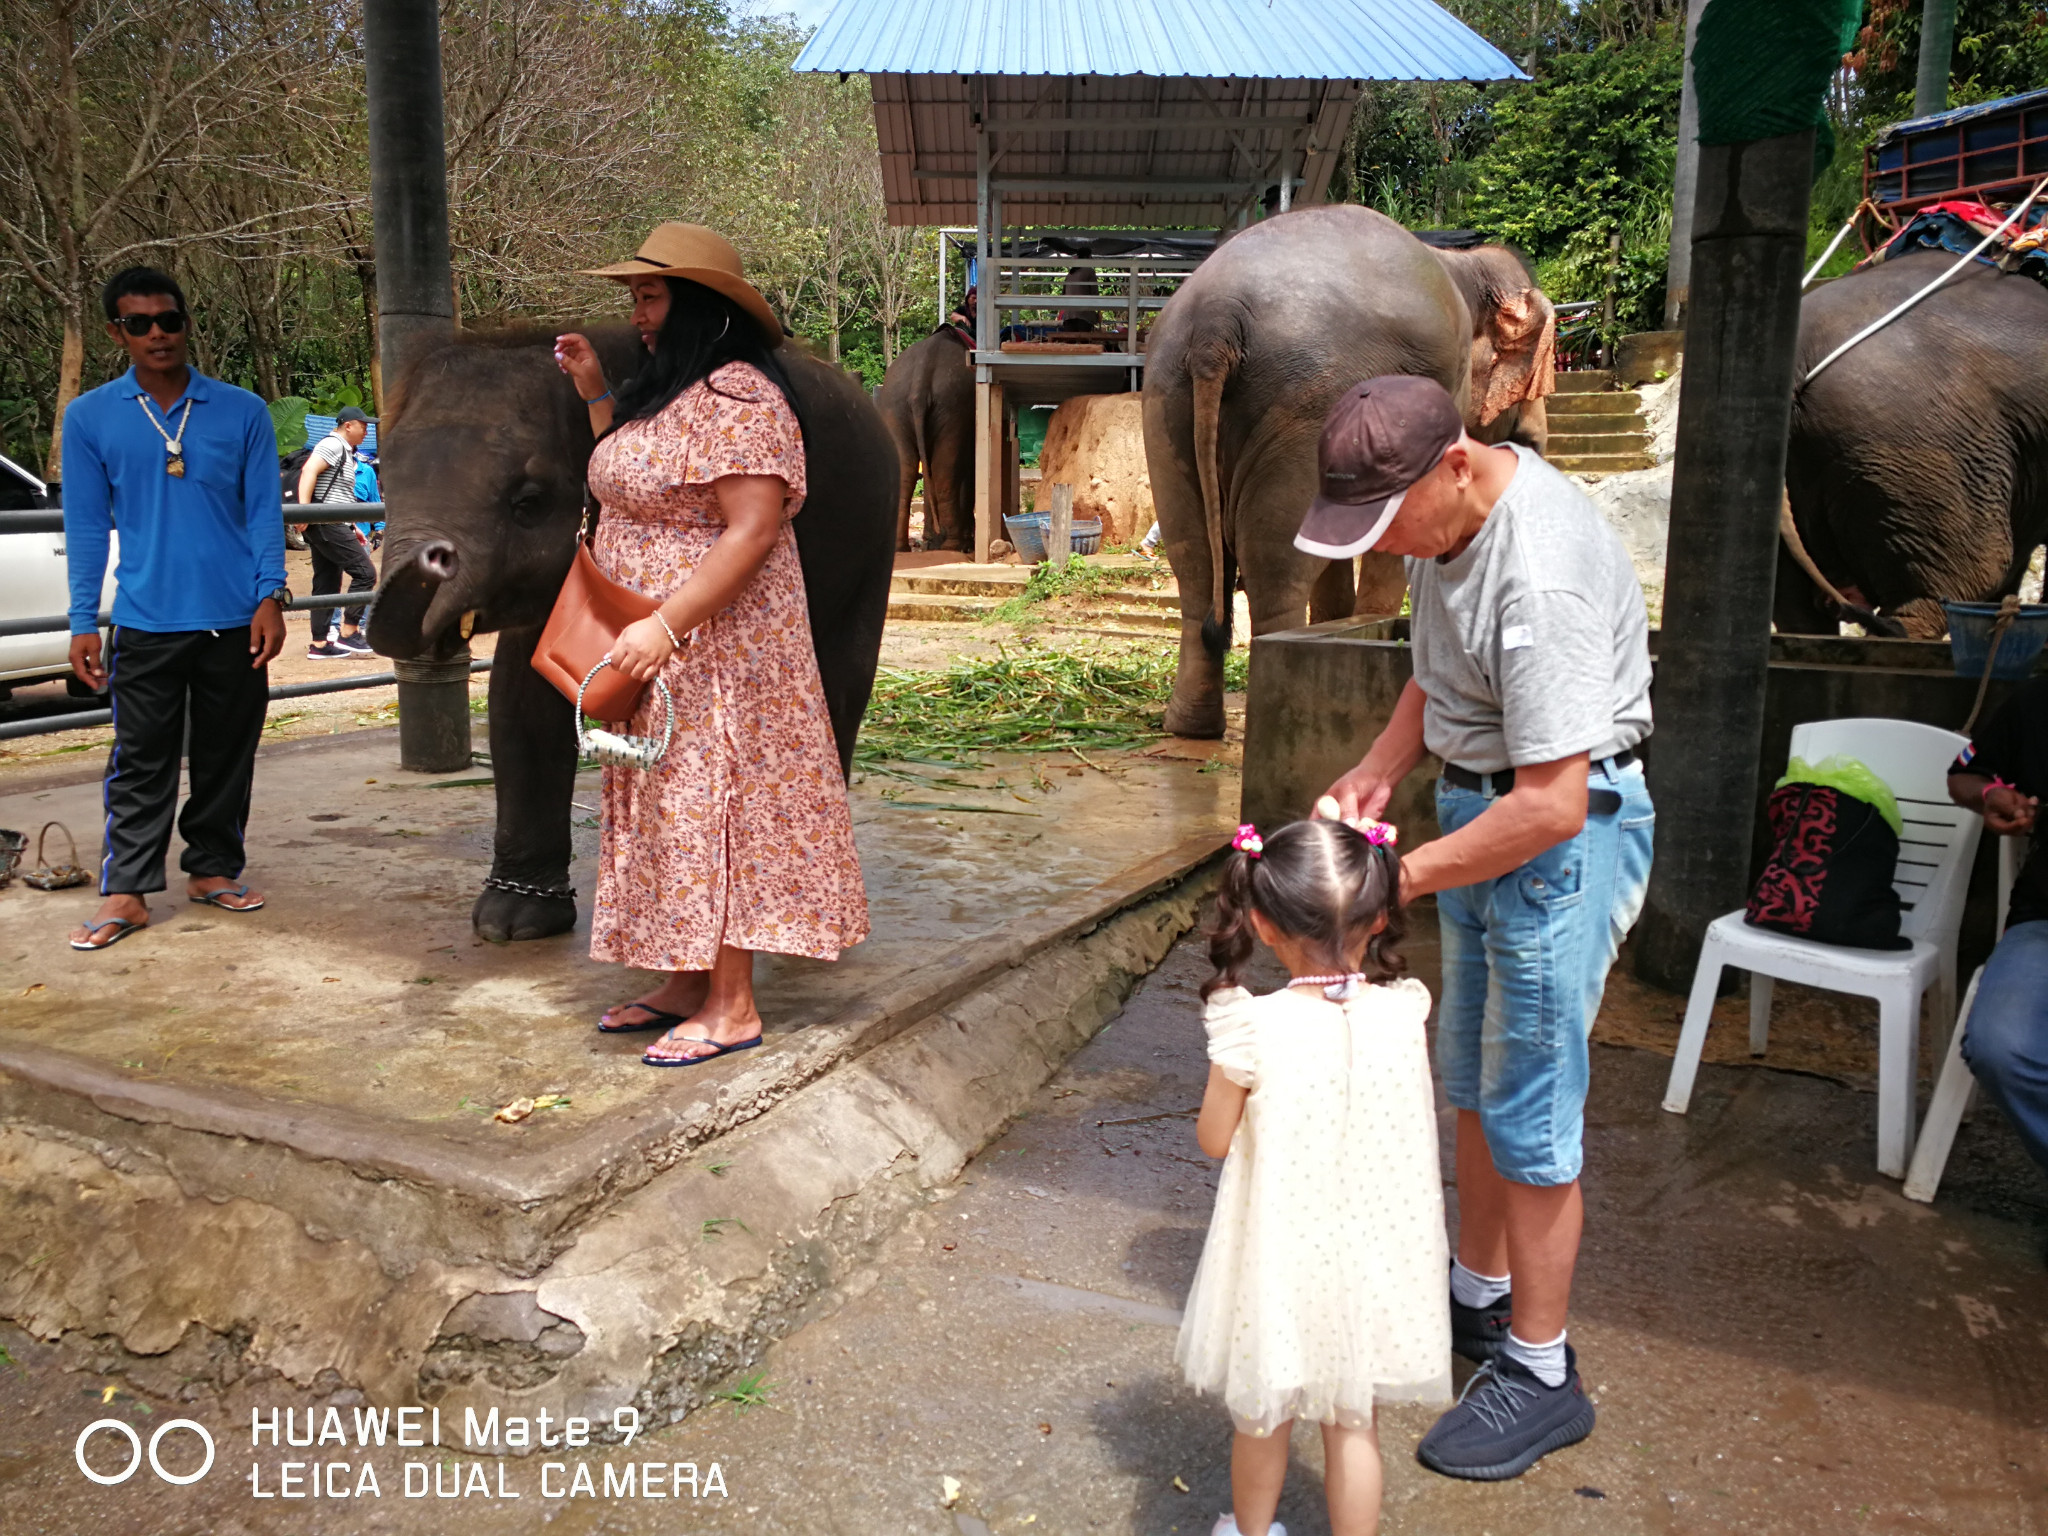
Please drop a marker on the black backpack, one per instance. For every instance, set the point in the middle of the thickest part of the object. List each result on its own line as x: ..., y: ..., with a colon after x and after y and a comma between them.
x: 288, y: 471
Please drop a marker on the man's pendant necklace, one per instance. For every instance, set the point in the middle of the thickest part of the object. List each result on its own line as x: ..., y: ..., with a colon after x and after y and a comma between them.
x: 174, y: 447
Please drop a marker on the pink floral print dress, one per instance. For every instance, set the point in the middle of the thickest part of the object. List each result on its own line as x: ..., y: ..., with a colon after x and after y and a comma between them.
x: 741, y: 835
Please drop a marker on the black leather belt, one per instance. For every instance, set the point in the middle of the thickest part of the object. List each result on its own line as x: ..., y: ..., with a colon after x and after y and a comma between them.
x: 1504, y: 780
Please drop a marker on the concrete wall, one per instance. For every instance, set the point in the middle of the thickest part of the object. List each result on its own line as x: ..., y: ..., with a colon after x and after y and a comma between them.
x: 1319, y: 695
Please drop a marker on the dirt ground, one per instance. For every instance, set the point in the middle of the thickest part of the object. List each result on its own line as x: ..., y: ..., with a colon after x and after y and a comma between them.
x: 1776, y: 1340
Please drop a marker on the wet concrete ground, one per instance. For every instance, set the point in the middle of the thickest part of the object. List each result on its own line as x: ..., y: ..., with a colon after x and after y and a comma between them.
x: 1776, y: 1339
x: 360, y: 985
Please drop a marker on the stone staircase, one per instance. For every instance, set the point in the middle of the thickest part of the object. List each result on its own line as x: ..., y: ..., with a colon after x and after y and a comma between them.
x: 967, y: 594
x: 1596, y: 429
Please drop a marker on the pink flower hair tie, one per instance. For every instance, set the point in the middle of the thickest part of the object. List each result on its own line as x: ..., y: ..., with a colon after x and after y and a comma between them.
x: 1381, y: 834
x: 1248, y: 842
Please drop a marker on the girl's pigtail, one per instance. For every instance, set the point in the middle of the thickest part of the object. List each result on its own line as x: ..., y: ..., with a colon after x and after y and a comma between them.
x: 1230, y: 941
x: 1382, y: 894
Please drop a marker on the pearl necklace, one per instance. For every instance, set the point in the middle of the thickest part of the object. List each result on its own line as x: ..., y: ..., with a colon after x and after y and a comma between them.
x: 1336, y: 988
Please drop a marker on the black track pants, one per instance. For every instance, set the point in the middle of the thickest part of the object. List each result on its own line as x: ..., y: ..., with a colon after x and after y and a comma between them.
x: 337, y: 550
x: 153, y: 679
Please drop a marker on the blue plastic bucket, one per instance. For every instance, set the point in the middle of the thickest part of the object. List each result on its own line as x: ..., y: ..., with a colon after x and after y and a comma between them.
x: 1969, y: 639
x: 1028, y: 532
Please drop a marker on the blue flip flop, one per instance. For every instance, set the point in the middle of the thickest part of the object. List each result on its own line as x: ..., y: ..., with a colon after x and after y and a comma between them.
x: 656, y: 1019
x: 122, y: 928
x: 717, y: 1050
x: 213, y: 899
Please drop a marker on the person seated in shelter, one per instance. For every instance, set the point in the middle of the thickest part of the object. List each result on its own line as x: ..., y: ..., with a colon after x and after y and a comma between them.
x: 2001, y: 775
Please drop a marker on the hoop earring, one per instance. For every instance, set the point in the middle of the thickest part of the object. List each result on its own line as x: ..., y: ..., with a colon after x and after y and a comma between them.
x: 723, y: 329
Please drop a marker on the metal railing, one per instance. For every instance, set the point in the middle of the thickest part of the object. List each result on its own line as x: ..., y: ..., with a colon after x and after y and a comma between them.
x: 85, y: 719
x: 51, y: 520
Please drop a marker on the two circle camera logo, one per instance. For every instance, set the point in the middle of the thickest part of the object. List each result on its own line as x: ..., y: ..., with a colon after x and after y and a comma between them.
x: 108, y: 1479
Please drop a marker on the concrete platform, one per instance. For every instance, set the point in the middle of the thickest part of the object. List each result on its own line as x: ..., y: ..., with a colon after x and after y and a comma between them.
x: 265, y: 1142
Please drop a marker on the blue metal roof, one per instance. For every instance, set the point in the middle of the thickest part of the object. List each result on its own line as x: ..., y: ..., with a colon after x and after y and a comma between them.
x: 1205, y: 39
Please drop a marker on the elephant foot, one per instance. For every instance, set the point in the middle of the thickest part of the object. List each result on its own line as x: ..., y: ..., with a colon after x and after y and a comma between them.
x: 1202, y: 719
x: 512, y: 916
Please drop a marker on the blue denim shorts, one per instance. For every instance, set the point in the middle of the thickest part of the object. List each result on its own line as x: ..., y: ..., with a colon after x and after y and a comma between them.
x: 1525, y: 961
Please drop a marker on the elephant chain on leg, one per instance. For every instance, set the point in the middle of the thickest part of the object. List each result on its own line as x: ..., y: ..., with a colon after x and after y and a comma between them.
x: 533, y: 755
x: 521, y: 888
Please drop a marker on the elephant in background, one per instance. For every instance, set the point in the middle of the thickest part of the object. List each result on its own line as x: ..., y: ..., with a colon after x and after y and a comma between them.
x: 1917, y: 466
x: 1514, y: 344
x: 927, y: 399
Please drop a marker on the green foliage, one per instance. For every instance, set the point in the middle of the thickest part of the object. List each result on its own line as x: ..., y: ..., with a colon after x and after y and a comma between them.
x: 1586, y: 150
x: 288, y: 417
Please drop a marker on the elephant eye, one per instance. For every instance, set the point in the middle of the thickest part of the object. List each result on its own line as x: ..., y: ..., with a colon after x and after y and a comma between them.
x: 529, y: 501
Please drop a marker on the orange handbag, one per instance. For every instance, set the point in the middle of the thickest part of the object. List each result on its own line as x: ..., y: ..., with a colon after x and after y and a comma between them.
x: 588, y: 615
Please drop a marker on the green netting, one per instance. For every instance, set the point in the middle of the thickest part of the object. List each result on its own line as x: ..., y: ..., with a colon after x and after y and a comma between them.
x: 1761, y: 68
x: 1851, y: 778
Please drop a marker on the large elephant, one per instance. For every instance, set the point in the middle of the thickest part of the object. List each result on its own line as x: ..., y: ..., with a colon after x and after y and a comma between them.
x: 1917, y: 467
x: 484, y: 450
x: 927, y: 399
x: 1244, y: 363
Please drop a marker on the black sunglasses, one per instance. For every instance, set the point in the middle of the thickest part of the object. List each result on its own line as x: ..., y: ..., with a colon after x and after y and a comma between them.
x: 171, y: 321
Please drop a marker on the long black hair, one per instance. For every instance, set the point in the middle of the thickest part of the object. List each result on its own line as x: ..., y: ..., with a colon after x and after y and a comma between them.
x: 703, y: 332
x: 1321, y: 883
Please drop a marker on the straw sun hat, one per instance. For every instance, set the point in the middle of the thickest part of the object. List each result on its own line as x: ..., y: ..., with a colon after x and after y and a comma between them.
x: 701, y: 255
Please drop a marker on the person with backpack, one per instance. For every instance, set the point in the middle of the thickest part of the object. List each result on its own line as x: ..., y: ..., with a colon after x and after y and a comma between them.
x: 328, y: 478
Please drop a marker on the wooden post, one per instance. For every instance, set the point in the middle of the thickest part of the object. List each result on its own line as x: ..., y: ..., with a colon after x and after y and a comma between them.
x: 1059, y: 538
x: 1741, y: 331
x: 988, y: 465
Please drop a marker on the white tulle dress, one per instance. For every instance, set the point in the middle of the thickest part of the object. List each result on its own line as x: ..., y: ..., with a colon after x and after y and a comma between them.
x: 1322, y: 1286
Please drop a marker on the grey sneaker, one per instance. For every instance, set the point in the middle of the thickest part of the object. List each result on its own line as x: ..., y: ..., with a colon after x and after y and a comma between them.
x: 357, y: 644
x: 1506, y: 1420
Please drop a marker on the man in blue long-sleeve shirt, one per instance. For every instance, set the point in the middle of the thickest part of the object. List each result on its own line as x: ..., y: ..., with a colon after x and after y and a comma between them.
x: 186, y: 467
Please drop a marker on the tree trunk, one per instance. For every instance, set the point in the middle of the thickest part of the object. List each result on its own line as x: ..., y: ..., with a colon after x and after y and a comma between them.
x: 70, y: 367
x: 1937, y: 49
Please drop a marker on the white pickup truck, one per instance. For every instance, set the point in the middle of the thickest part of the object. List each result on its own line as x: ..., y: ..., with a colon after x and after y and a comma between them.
x: 34, y: 584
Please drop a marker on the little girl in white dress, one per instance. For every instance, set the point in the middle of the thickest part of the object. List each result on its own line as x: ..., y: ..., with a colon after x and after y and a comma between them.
x: 1321, y: 1286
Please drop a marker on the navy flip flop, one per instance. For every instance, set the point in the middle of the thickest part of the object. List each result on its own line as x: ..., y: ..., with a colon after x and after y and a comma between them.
x: 713, y: 1054
x: 656, y: 1019
x: 213, y: 899
x: 121, y: 926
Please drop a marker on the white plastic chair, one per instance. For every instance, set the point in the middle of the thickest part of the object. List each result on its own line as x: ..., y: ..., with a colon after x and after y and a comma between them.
x: 1954, y: 1086
x: 1935, y: 853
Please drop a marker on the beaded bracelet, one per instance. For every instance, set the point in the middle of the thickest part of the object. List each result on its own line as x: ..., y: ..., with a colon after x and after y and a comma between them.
x: 672, y: 640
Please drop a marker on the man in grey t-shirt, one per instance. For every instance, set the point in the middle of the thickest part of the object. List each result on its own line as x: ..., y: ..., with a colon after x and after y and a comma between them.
x: 1532, y: 684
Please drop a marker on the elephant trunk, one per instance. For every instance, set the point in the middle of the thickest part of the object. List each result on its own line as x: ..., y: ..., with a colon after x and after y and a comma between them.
x: 1208, y: 403
x: 413, y: 578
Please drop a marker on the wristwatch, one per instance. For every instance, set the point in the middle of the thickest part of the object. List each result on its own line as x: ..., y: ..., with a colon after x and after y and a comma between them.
x: 282, y: 597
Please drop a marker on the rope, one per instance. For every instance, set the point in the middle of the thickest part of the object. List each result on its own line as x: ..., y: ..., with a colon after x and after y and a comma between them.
x: 1886, y: 319
x: 1841, y: 234
x: 2008, y: 610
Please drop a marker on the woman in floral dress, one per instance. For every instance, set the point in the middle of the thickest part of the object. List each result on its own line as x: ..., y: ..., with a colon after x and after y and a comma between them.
x: 740, y: 838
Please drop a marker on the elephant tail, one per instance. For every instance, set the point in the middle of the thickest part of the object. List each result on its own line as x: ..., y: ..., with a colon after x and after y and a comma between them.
x: 1855, y: 613
x: 1208, y: 401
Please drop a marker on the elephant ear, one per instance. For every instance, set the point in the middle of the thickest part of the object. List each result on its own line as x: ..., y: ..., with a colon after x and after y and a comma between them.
x: 1514, y: 354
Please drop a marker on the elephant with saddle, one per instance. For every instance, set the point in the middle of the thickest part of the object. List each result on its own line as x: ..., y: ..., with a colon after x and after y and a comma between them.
x: 484, y: 448
x: 1917, y: 467
x: 1243, y: 365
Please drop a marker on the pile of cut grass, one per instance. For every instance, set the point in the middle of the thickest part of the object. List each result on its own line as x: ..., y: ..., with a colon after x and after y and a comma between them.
x: 1034, y: 699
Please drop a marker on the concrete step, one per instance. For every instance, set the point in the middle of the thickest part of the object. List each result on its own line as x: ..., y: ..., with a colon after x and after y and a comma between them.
x: 1591, y: 403
x: 961, y: 581
x: 1606, y: 421
x: 1599, y: 463
x: 1597, y: 442
x: 950, y: 608
x: 1586, y: 381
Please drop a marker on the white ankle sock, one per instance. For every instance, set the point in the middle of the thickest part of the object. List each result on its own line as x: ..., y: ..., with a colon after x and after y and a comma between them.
x: 1469, y: 1288
x: 1544, y: 1361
